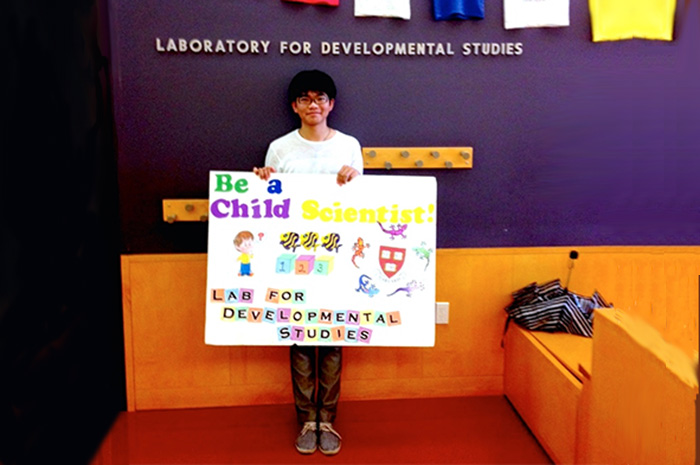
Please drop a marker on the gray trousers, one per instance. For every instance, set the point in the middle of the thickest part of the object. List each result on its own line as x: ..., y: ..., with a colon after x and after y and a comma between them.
x: 308, y: 367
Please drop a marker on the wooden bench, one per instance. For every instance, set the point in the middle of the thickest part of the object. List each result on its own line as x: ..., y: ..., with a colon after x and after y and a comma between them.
x: 624, y: 396
x: 543, y: 379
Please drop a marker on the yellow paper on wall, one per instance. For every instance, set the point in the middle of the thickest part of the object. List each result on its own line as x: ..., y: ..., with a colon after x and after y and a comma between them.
x: 632, y: 19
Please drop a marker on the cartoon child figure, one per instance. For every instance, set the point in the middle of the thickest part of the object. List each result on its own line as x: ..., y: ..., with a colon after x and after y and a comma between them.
x: 244, y: 244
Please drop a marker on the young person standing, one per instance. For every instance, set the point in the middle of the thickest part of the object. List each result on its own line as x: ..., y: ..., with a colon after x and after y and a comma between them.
x: 315, y: 148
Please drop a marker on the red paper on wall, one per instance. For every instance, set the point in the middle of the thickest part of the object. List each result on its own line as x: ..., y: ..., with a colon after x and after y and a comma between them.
x: 316, y: 2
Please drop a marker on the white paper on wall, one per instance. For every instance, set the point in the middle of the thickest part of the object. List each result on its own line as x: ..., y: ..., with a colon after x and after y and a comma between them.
x: 535, y: 13
x: 384, y: 8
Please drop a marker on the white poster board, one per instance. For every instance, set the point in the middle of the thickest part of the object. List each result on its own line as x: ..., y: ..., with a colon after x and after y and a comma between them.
x: 300, y: 260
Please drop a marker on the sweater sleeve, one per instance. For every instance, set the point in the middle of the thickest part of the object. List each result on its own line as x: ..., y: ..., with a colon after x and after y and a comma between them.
x: 358, y: 161
x: 272, y: 158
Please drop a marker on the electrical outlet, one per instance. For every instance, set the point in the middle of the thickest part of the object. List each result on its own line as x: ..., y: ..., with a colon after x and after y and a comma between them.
x: 442, y: 313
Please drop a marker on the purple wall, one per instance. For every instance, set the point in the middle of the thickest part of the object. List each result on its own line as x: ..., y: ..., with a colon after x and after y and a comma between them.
x: 575, y: 143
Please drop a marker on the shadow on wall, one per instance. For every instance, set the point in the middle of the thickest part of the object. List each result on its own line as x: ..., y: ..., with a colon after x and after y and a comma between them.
x: 61, y: 356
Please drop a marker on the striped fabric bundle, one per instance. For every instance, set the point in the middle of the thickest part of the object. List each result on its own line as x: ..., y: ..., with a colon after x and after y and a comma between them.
x: 552, y: 308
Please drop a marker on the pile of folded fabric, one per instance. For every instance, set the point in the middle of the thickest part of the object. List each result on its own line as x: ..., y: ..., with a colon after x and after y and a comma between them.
x: 552, y: 308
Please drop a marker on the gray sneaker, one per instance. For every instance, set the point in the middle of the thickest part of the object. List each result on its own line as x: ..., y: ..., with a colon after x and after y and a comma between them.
x: 307, y: 439
x: 329, y: 439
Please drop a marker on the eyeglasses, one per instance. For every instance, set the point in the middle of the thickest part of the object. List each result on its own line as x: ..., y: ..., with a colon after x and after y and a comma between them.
x: 318, y: 100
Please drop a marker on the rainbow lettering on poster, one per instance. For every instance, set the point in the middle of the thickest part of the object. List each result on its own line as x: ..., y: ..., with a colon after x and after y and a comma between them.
x: 311, y: 209
x: 303, y: 325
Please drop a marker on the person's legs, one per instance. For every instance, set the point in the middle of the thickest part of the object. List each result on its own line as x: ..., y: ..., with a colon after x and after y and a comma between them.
x: 303, y: 368
x: 330, y: 365
x: 303, y: 364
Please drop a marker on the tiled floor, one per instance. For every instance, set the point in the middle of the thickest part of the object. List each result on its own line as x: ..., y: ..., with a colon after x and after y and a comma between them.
x: 468, y: 430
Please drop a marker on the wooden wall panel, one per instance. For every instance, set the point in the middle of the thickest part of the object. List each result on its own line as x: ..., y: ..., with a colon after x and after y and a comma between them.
x: 168, y: 365
x: 474, y: 285
x: 683, y: 272
x: 640, y: 404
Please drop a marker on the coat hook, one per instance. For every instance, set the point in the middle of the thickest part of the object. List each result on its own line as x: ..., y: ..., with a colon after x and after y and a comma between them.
x: 573, y: 255
x: 371, y: 154
x: 448, y: 164
x: 435, y: 154
x: 405, y: 154
x: 419, y: 163
x: 171, y: 218
x: 204, y: 218
x: 189, y: 207
x: 466, y: 155
x: 387, y: 165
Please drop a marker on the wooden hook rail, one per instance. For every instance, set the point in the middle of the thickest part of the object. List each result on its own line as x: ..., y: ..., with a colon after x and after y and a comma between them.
x: 185, y: 210
x: 418, y: 157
